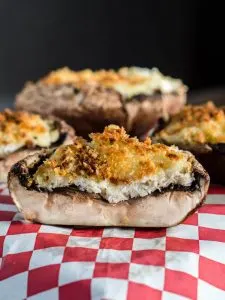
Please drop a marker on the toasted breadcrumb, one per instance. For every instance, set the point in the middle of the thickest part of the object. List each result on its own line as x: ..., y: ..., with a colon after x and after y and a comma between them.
x: 195, y: 124
x: 19, y: 129
x: 111, y: 156
x: 128, y: 81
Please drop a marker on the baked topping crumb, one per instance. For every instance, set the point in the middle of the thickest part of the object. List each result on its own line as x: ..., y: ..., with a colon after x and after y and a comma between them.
x: 195, y: 124
x: 116, y: 166
x: 129, y: 81
x: 22, y: 129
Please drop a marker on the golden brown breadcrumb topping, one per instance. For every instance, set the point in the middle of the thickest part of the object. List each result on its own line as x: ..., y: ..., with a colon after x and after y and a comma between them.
x: 111, y: 155
x: 103, y: 77
x: 128, y: 81
x: 196, y: 124
x: 21, y: 127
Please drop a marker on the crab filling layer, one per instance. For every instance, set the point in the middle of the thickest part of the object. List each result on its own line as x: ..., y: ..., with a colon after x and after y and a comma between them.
x: 115, y: 166
x: 200, y: 124
x: 22, y: 129
x: 127, y: 81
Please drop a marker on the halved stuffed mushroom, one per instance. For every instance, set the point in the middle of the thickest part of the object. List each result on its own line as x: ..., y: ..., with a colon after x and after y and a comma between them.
x: 23, y: 133
x: 113, y: 180
x: 201, y: 130
x: 134, y: 98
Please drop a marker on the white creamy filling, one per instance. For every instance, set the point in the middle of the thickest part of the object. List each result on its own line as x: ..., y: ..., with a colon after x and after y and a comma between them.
x: 42, y: 140
x: 9, y: 148
x: 155, y: 80
x: 116, y: 193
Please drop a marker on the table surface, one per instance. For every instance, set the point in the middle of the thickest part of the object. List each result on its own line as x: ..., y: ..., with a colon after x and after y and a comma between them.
x: 52, y: 262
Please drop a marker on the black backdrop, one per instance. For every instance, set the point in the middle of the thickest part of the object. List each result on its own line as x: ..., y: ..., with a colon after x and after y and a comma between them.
x: 182, y: 38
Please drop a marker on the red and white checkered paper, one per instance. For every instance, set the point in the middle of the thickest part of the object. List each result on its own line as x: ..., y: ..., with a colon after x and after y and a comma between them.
x: 51, y: 262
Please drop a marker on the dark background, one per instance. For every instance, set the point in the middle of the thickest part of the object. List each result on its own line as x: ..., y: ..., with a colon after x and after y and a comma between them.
x: 184, y: 39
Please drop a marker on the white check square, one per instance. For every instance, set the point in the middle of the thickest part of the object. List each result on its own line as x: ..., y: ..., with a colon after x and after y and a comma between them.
x: 8, y: 207
x: 45, y: 257
x: 215, y: 199
x: 109, y: 288
x: 18, y: 217
x: 207, y: 291
x: 75, y: 271
x: 211, y: 221
x: 18, y: 243
x: 14, y: 287
x: 113, y: 256
x: 118, y: 232
x: 213, y: 250
x: 85, y: 242
x: 52, y: 294
x: 171, y: 296
x: 183, y: 231
x: 146, y: 244
x: 4, y: 189
x: 182, y: 261
x: 55, y: 229
x: 4, y: 226
x: 152, y: 276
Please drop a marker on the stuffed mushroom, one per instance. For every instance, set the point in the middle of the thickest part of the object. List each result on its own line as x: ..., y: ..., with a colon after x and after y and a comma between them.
x: 134, y: 98
x: 23, y: 133
x: 201, y: 130
x: 112, y: 180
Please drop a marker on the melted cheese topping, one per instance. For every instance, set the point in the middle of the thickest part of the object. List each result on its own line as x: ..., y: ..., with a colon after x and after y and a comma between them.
x: 200, y: 124
x: 127, y: 81
x: 115, y: 166
x: 22, y: 129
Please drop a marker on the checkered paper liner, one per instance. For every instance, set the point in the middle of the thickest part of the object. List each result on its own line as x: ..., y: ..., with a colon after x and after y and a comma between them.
x: 52, y: 262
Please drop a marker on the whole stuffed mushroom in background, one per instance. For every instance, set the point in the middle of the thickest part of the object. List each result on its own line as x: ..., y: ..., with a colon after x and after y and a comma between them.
x: 201, y: 130
x: 132, y: 97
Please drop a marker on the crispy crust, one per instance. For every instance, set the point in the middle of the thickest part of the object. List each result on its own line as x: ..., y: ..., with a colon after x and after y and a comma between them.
x: 211, y: 156
x: 67, y: 207
x: 207, y: 119
x: 67, y: 134
x: 92, y: 107
x: 112, y: 156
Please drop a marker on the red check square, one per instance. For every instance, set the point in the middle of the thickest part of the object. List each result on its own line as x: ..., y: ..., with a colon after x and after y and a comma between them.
x: 18, y: 227
x: 181, y: 283
x: 210, y: 234
x: 179, y: 244
x: 7, y: 215
x: 42, y: 279
x: 216, y: 190
x: 148, y: 257
x: 2, y: 238
x: 116, y: 243
x: 13, y: 264
x: 149, y: 234
x: 45, y: 240
x: 191, y: 220
x: 143, y: 292
x: 216, y: 209
x: 5, y: 199
x: 112, y: 270
x: 79, y: 254
x: 212, y: 272
x: 76, y: 290
x: 88, y: 232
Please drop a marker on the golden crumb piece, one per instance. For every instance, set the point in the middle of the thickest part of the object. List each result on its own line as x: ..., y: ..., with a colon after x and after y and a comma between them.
x: 196, y: 124
x: 128, y: 81
x: 112, y: 156
x: 19, y: 129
